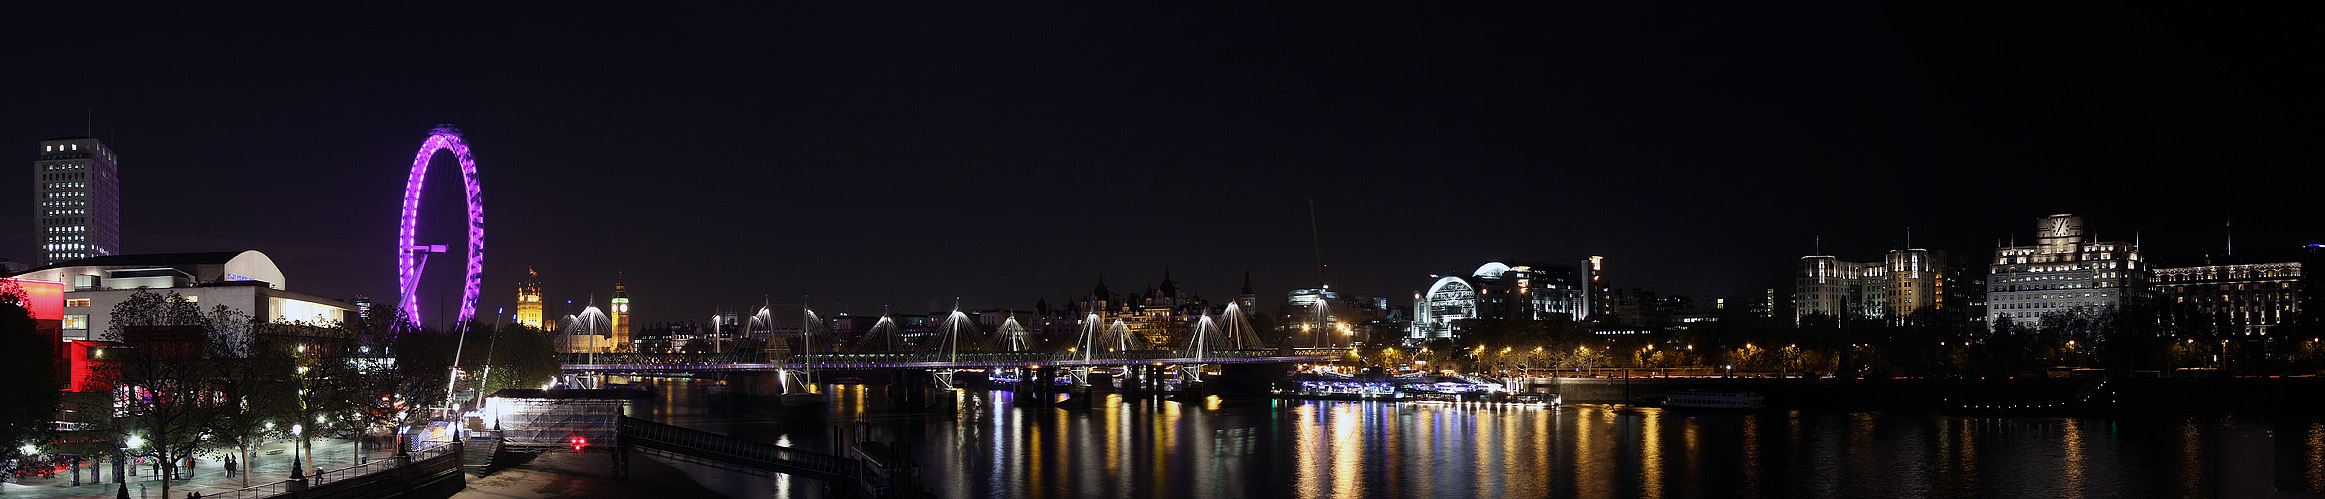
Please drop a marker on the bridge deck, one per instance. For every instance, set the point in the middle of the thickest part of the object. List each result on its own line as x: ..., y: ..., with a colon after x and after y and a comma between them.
x: 933, y: 360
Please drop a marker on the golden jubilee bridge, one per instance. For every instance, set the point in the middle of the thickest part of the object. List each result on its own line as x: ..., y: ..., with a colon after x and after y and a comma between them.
x: 712, y: 362
x: 959, y: 343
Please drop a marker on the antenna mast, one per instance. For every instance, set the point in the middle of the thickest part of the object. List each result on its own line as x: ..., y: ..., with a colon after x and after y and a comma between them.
x: 1318, y: 240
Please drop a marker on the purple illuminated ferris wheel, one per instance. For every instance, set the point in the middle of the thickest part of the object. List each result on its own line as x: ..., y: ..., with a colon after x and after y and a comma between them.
x: 409, y: 254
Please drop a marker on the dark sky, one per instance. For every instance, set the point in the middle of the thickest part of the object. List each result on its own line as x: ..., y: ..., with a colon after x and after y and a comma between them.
x: 870, y: 153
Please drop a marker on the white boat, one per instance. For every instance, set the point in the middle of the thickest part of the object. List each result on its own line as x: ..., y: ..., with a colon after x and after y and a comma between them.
x: 1714, y: 399
x: 1430, y: 398
x: 1537, y: 400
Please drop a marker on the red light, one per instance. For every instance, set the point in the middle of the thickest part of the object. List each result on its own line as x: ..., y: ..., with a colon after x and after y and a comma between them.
x: 45, y: 299
x: 579, y: 443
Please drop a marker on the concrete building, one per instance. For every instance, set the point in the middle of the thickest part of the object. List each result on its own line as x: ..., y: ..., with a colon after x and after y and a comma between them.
x: 76, y: 199
x: 2062, y: 272
x: 245, y: 281
x: 1500, y: 291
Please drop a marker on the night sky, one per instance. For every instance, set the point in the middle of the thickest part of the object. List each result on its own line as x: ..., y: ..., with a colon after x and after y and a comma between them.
x: 871, y: 153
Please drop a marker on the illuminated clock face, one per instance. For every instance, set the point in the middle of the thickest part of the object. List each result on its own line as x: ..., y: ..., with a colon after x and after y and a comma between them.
x: 2059, y: 226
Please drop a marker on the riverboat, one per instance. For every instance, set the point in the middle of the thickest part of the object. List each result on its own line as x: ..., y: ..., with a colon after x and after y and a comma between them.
x: 1430, y: 398
x: 1714, y: 399
x: 1535, y: 399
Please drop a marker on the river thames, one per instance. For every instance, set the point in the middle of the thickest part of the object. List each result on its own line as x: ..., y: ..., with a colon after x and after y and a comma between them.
x: 999, y: 444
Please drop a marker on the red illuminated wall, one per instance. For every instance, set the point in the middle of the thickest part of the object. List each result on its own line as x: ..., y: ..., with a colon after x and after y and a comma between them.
x: 45, y: 298
x: 79, y: 363
x: 46, y: 301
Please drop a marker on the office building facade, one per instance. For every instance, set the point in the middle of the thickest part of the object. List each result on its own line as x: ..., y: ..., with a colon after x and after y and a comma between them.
x: 2061, y: 273
x: 2229, y: 298
x: 76, y: 200
x: 1907, y: 286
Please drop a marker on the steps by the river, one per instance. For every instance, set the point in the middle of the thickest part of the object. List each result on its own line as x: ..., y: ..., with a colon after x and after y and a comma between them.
x: 482, y: 449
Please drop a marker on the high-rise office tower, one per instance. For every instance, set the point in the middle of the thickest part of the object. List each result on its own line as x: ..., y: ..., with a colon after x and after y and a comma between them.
x: 76, y: 199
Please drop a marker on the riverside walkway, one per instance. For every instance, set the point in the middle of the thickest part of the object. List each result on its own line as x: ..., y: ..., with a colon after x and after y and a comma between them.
x: 208, y: 477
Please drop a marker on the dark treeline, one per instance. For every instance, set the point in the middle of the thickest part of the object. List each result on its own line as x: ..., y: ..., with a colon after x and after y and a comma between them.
x: 2122, y: 341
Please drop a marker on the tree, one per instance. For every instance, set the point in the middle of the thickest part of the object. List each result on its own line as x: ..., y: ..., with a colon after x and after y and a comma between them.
x: 167, y: 389
x: 405, y: 373
x: 174, y: 379
x: 519, y: 356
x: 261, y: 388
x: 30, y: 391
x: 146, y: 308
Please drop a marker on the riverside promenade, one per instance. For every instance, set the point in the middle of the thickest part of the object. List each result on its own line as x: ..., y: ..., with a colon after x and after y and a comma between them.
x: 209, y: 477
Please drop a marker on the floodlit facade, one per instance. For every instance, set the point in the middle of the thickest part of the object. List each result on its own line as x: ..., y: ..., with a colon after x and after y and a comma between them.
x: 529, y: 300
x: 76, y: 199
x: 2234, y: 298
x: 1905, y: 282
x: 245, y: 281
x: 1498, y: 290
x: 1831, y: 287
x: 620, y: 334
x: 2062, y: 272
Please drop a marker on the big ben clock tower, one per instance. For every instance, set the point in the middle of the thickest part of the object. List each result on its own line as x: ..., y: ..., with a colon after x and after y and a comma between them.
x: 621, y: 315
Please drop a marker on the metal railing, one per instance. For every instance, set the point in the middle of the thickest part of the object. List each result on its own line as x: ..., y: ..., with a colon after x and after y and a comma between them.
x: 282, y: 487
x: 328, y: 476
x: 740, y: 452
x: 663, y: 358
x: 642, y: 360
x: 259, y: 491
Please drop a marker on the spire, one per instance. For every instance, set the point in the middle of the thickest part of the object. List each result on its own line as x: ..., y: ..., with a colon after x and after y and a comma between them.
x: 1247, y: 282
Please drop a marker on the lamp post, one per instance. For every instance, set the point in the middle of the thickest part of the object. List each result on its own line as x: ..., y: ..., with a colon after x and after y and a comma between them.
x: 127, y: 446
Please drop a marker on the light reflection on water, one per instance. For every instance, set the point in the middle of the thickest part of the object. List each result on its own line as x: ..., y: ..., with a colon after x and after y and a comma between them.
x: 1144, y: 447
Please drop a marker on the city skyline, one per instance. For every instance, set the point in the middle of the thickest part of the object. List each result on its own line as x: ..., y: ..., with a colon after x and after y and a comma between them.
x: 912, y: 157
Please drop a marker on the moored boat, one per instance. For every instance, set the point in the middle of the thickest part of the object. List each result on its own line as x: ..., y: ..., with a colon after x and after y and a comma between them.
x: 1714, y: 399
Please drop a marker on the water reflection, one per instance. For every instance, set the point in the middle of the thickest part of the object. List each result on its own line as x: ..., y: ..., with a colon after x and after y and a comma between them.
x: 1002, y: 444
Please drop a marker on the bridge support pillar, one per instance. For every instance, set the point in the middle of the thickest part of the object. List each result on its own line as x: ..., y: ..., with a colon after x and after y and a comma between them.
x: 910, y: 389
